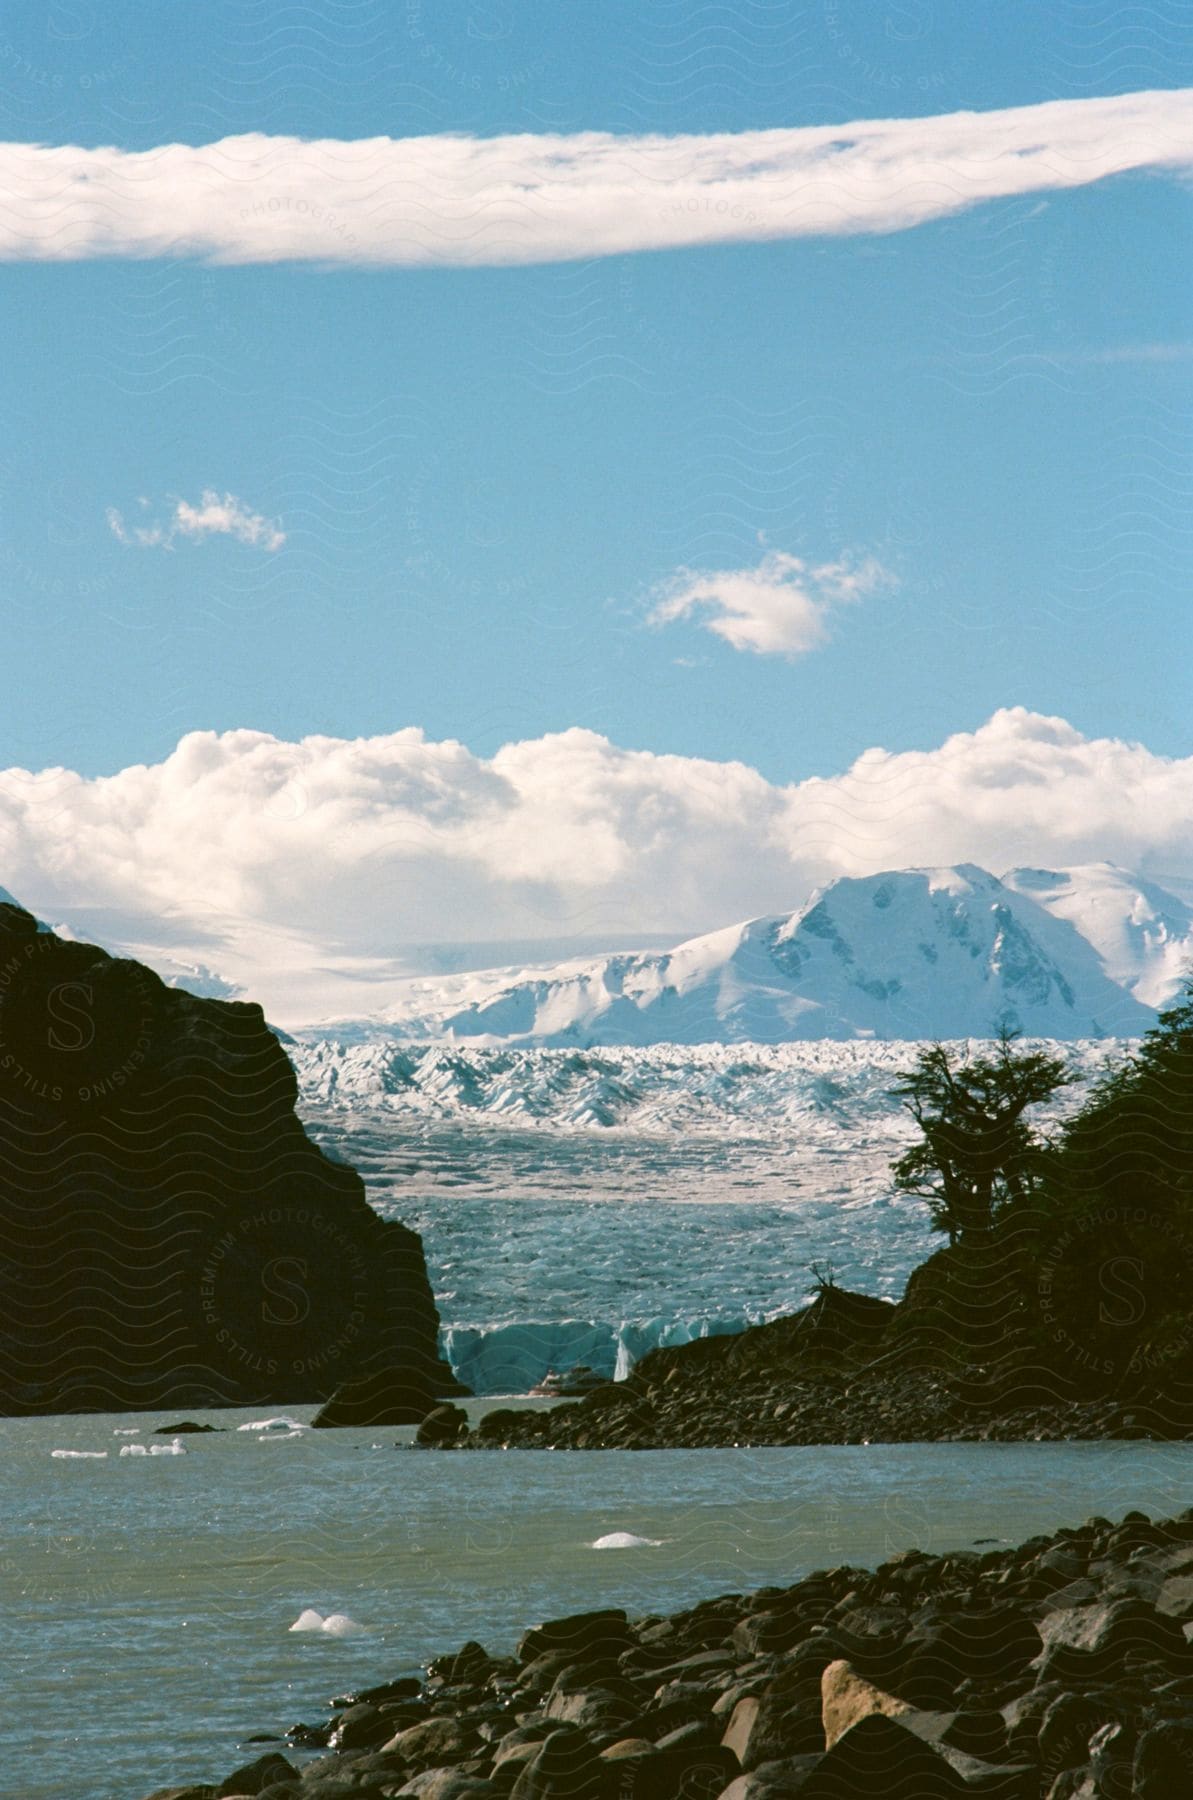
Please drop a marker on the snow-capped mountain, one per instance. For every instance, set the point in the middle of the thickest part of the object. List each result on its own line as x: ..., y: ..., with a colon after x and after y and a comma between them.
x: 914, y: 953
x: 1143, y: 933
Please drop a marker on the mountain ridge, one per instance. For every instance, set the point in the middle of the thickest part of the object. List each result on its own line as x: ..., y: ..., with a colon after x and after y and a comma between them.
x: 948, y: 952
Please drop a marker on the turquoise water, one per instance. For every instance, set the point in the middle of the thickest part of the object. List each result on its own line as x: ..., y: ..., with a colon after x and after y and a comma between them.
x: 145, y: 1603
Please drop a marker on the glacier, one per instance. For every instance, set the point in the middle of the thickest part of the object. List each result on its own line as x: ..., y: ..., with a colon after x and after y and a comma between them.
x: 584, y: 1206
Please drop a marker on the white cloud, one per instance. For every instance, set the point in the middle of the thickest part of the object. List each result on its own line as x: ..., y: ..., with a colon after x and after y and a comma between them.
x: 284, y: 863
x: 545, y: 198
x: 780, y: 608
x: 215, y: 516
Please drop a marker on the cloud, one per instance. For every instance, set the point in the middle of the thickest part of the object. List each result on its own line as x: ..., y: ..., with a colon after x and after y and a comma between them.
x: 277, y: 862
x: 215, y: 516
x: 531, y: 198
x: 781, y: 608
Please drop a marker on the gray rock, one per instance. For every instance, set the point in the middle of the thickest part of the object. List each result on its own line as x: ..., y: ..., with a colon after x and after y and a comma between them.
x: 448, y: 1784
x: 565, y: 1767
x: 362, y: 1727
x: 1065, y: 1730
x: 606, y: 1633
x: 1164, y: 1762
x: 442, y: 1426
x: 1111, y: 1755
x: 252, y: 1777
x: 435, y: 1741
x: 592, y: 1709
x: 1083, y: 1642
x: 773, y: 1781
x: 878, y: 1756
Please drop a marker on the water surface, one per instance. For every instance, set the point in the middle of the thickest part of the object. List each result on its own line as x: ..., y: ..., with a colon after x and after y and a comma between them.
x: 145, y: 1603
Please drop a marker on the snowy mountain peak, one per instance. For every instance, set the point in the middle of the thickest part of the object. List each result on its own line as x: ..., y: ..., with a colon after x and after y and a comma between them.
x: 911, y: 953
x: 1142, y: 933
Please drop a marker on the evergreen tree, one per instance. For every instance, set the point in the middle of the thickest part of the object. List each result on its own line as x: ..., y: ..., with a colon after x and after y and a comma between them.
x: 977, y: 1153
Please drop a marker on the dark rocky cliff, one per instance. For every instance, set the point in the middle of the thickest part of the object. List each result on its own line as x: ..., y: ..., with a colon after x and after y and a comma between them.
x: 169, y: 1236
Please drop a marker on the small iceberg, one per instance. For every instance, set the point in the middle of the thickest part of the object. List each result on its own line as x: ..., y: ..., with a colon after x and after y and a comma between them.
x: 334, y: 1625
x: 625, y: 1540
x: 127, y: 1431
x: 274, y: 1427
x: 79, y: 1455
x: 175, y: 1448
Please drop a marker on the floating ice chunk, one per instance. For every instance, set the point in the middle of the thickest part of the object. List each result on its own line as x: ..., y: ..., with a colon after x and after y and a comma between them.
x: 280, y: 1437
x: 290, y: 1426
x: 308, y: 1619
x: 175, y: 1448
x: 334, y: 1625
x: 127, y: 1431
x: 625, y: 1540
x: 340, y: 1625
x: 78, y: 1455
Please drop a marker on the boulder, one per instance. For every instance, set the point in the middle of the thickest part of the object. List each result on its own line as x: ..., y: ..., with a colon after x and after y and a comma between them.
x: 1083, y: 1643
x: 879, y: 1756
x: 741, y: 1727
x: 594, y: 1709
x: 773, y: 1781
x: 438, y: 1740
x: 172, y: 1237
x: 363, y: 1727
x: 1111, y: 1755
x: 447, y: 1784
x: 388, y: 1396
x: 681, y: 1772
x: 202, y: 1792
x: 629, y: 1746
x: 566, y: 1767
x: 1065, y: 1730
x: 947, y: 1645
x: 606, y: 1633
x: 254, y: 1776
x: 846, y: 1697
x: 1164, y: 1762
x: 781, y: 1720
x: 442, y: 1426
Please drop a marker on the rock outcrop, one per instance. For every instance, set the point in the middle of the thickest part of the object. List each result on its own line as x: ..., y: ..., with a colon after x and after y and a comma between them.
x: 169, y: 1235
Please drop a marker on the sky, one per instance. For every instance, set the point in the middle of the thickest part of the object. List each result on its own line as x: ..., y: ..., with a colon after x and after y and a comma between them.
x: 456, y: 455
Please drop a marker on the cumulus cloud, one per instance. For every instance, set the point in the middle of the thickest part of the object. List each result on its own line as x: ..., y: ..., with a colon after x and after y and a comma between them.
x: 275, y: 861
x: 215, y: 516
x: 530, y: 198
x: 780, y: 608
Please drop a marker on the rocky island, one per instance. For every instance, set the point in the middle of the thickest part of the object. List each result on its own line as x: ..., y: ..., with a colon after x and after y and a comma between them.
x: 171, y: 1236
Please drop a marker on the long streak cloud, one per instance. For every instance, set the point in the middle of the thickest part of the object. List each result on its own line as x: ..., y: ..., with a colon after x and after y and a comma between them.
x: 454, y: 200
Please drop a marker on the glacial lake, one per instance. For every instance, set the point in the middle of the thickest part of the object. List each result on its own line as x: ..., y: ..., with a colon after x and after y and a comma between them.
x: 146, y: 1601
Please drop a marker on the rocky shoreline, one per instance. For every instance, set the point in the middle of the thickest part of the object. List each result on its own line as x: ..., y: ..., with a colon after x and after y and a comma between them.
x: 848, y: 1369
x: 908, y: 1407
x: 1061, y: 1668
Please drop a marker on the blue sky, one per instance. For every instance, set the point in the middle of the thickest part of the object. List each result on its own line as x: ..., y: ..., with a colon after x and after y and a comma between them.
x: 483, y: 473
x: 686, y: 405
